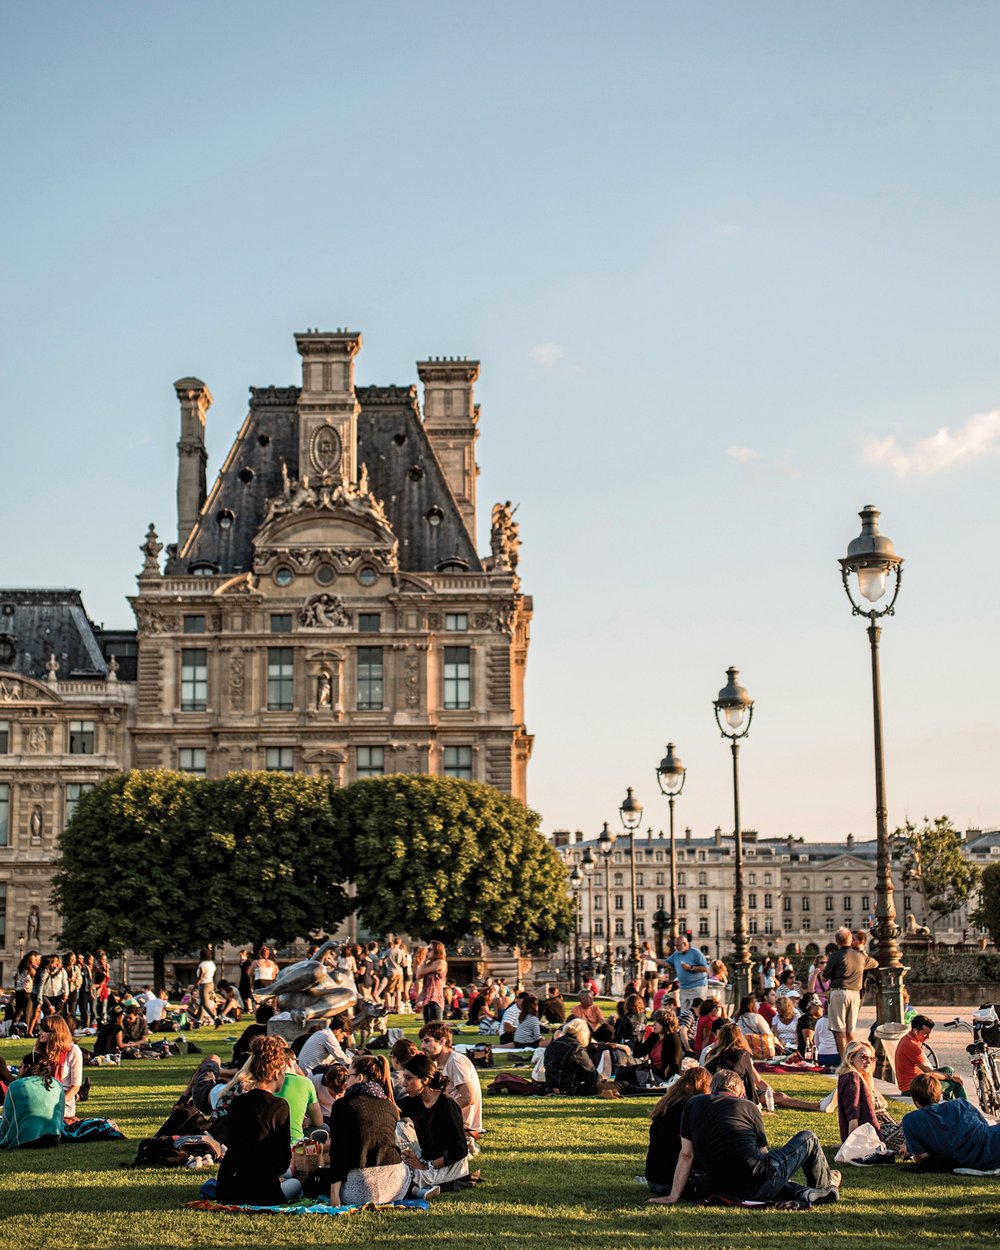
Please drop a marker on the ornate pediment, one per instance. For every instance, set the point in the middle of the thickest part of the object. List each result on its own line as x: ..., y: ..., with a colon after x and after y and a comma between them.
x: 17, y: 689
x: 328, y: 516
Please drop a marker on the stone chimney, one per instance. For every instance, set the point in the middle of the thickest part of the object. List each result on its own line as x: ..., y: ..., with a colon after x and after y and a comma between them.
x: 451, y: 417
x: 578, y: 836
x: 850, y: 841
x: 560, y: 837
x: 195, y: 400
x: 328, y: 406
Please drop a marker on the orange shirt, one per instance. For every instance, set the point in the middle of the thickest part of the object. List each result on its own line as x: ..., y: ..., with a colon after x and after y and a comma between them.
x: 592, y: 1014
x: 909, y: 1053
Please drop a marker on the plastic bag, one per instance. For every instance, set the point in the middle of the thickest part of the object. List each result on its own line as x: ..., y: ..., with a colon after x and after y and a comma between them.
x: 864, y: 1141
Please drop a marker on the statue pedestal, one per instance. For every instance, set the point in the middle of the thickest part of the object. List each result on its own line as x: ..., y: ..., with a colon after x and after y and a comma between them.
x: 289, y: 1030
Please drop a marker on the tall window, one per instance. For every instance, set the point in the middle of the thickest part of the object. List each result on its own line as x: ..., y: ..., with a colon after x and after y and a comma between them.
x: 3, y: 915
x: 370, y: 761
x: 598, y: 928
x: 751, y: 900
x: 682, y: 900
x: 848, y: 906
x: 866, y: 902
x: 787, y: 903
x: 74, y: 791
x: 805, y: 903
x: 81, y: 737
x: 194, y: 680
x: 457, y: 683
x: 828, y: 903
x: 768, y: 901
x: 458, y: 763
x: 194, y: 624
x: 703, y: 926
x: 280, y: 679
x: 703, y: 900
x: 640, y: 902
x: 619, y: 928
x: 4, y: 815
x: 279, y: 759
x: 619, y: 902
x: 768, y: 925
x: 4, y: 736
x: 369, y: 679
x: 193, y: 760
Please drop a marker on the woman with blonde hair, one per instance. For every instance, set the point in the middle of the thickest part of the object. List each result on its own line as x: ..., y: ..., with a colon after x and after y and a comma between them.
x: 63, y: 1057
x: 665, y: 1130
x: 568, y: 1067
x: 258, y: 1137
x: 732, y: 1051
x: 859, y: 1102
x: 365, y: 1163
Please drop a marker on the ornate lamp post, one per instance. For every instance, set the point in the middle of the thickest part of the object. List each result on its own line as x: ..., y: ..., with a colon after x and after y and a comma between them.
x: 576, y: 885
x: 606, y: 844
x: 587, y: 865
x: 661, y: 923
x: 631, y: 815
x: 671, y: 774
x: 732, y: 708
x: 872, y: 557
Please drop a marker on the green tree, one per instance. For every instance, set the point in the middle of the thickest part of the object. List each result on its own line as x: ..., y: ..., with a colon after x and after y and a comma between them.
x: 163, y: 863
x: 934, y: 863
x: 444, y: 858
x: 987, y: 913
x: 132, y: 868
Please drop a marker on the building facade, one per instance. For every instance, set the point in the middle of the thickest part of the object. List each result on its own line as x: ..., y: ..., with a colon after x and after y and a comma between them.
x: 324, y: 609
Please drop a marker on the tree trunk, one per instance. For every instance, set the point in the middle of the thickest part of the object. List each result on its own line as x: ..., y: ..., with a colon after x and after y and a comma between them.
x: 159, y: 971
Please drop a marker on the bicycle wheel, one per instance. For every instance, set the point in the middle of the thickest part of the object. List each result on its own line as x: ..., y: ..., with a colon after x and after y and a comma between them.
x: 931, y: 1057
x: 985, y: 1091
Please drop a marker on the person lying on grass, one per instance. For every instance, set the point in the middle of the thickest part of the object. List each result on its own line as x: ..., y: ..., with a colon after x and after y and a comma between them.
x: 732, y: 1052
x: 943, y: 1135
x: 722, y: 1135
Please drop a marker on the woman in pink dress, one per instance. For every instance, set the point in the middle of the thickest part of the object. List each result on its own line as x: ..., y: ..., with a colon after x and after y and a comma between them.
x: 431, y: 972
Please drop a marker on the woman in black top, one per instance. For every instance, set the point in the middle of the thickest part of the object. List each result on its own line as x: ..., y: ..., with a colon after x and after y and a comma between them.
x: 258, y: 1136
x: 665, y: 1129
x: 568, y: 1067
x: 365, y: 1163
x: 440, y: 1129
x: 732, y: 1051
x: 662, y: 1045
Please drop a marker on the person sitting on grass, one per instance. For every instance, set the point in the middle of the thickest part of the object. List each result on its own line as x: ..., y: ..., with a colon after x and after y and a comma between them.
x: 329, y: 1044
x: 860, y: 1102
x: 440, y: 1130
x: 229, y: 1010
x: 569, y: 1069
x: 62, y: 1057
x: 911, y: 1060
x: 589, y: 1012
x: 722, y: 1134
x: 665, y: 1130
x: 365, y: 1163
x: 329, y: 1083
x: 436, y: 1041
x: 298, y: 1091
x: 258, y: 1137
x: 731, y: 1052
x: 529, y: 1027
x: 943, y: 1135
x: 630, y: 1024
x: 709, y: 1011
x: 661, y: 1045
x: 553, y: 1009
x: 785, y: 1024
x: 34, y: 1109
x: 241, y: 1051
x: 399, y: 1052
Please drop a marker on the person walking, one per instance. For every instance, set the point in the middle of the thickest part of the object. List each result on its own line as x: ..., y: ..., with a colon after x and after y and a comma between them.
x: 845, y: 973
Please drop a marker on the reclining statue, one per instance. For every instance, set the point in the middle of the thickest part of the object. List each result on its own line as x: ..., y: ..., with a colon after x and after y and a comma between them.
x: 312, y: 990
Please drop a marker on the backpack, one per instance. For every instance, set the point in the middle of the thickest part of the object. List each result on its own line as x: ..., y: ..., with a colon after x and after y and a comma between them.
x: 510, y: 1083
x: 158, y: 1152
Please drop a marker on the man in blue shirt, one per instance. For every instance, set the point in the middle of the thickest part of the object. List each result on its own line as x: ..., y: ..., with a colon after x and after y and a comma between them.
x: 952, y: 1134
x: 690, y: 969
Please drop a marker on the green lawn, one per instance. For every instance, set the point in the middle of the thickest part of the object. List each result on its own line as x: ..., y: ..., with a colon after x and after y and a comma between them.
x: 558, y: 1172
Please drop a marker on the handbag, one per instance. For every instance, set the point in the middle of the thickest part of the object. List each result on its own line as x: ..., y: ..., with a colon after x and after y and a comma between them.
x: 83, y: 1093
x: 861, y: 1143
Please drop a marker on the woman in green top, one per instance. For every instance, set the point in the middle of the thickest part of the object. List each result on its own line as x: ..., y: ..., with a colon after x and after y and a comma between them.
x: 303, y: 1102
x: 33, y: 1110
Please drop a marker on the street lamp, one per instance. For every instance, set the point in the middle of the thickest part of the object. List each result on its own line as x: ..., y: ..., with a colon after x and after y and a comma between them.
x: 587, y: 865
x: 671, y: 774
x: 606, y: 844
x: 873, y: 558
x: 631, y: 815
x: 576, y: 885
x: 733, y: 707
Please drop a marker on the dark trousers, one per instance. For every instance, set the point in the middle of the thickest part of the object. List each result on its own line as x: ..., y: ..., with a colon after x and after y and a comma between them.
x: 803, y: 1151
x: 432, y: 1012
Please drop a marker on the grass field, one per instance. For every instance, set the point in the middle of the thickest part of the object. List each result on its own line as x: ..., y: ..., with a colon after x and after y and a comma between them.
x: 557, y: 1172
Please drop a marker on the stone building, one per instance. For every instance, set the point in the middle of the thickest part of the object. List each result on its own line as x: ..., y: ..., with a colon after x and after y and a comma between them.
x: 67, y: 701
x: 324, y: 609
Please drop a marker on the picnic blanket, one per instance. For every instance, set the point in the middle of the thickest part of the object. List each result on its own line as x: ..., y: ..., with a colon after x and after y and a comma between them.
x: 93, y: 1129
x: 749, y: 1204
x: 789, y: 1069
x: 305, y: 1206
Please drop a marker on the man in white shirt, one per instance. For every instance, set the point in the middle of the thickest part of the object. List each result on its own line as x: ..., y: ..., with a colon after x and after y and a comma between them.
x: 156, y: 1006
x: 327, y: 1045
x: 435, y: 1042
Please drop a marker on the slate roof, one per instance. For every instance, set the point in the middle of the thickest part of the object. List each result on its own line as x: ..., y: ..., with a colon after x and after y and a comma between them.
x: 403, y: 472
x: 35, y: 624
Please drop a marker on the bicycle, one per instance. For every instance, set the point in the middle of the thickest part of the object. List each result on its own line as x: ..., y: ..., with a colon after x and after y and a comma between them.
x: 984, y: 1052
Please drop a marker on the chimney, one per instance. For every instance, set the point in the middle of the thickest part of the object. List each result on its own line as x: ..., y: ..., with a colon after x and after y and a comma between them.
x: 850, y: 841
x: 195, y: 400
x: 578, y: 836
x: 451, y: 417
x: 687, y: 833
x: 328, y: 406
x: 560, y: 837
x: 718, y: 835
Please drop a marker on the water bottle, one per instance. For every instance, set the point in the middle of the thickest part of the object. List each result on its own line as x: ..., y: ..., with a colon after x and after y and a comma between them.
x: 768, y: 1098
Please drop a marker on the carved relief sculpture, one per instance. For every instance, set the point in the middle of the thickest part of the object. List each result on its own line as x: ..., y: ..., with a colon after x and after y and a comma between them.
x: 237, y: 682
x: 324, y: 612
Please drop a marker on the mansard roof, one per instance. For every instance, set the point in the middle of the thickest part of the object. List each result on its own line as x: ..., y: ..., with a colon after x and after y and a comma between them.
x: 35, y: 624
x: 403, y: 473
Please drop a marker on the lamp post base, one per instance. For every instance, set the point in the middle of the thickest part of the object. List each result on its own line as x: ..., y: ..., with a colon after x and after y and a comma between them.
x: 743, y: 973
x: 889, y: 1003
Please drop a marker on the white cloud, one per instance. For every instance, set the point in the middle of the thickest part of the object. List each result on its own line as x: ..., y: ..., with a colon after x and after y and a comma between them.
x: 947, y: 449
x: 743, y: 454
x: 548, y: 354
x: 726, y: 230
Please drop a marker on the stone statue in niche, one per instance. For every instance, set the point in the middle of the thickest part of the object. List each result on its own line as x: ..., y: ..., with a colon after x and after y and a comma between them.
x: 324, y: 689
x: 37, y: 825
x: 36, y: 740
x: 34, y: 925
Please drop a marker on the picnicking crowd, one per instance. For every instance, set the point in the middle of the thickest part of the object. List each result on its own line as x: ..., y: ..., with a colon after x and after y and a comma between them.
x: 408, y: 1121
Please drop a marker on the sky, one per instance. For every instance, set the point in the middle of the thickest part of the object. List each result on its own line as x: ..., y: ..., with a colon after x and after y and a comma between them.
x: 732, y: 274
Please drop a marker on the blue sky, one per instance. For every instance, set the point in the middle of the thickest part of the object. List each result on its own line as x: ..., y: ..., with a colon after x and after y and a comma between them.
x: 730, y: 271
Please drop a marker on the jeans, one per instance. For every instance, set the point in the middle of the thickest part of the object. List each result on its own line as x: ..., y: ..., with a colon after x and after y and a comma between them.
x: 433, y: 1012
x: 803, y: 1151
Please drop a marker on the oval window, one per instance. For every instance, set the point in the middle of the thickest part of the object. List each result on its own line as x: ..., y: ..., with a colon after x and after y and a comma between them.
x: 284, y: 576
x: 325, y: 574
x: 367, y: 576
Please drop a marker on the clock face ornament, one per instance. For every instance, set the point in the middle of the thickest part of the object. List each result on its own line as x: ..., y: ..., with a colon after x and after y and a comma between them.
x: 326, y: 449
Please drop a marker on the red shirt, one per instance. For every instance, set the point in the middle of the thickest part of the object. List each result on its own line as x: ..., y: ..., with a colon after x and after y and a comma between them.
x: 767, y: 1011
x: 909, y: 1053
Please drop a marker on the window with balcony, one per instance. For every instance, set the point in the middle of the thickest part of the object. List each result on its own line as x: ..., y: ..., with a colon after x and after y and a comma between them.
x: 703, y: 930
x: 702, y: 900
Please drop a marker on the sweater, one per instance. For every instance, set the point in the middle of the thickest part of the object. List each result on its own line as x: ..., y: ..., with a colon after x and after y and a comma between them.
x: 258, y: 1150
x: 362, y: 1134
x: 440, y: 1128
